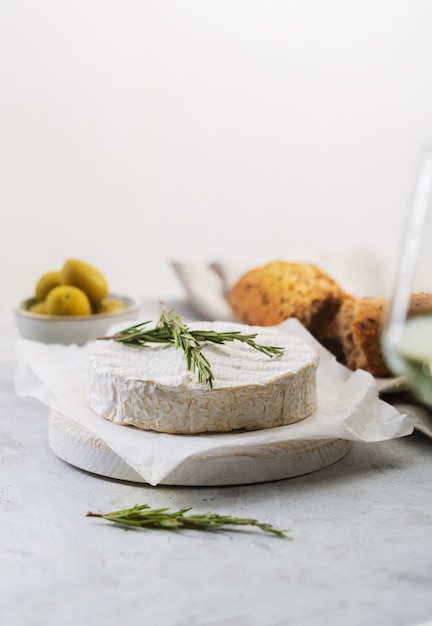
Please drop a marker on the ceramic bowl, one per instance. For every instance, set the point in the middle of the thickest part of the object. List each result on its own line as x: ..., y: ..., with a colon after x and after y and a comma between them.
x: 68, y: 329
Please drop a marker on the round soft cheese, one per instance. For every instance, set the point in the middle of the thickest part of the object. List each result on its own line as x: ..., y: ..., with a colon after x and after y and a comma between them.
x: 152, y: 389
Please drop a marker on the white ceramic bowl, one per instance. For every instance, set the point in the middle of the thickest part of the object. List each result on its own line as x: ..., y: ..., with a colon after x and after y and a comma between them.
x: 67, y: 329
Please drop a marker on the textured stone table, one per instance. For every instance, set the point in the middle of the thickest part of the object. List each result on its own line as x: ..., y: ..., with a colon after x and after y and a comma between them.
x: 360, y: 554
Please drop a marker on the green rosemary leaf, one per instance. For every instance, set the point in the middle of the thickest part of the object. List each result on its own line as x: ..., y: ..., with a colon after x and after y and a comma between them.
x: 142, y: 516
x: 170, y: 329
x: 211, y: 335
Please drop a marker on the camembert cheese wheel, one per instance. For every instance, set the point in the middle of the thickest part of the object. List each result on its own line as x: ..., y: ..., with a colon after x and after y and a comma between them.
x: 152, y: 389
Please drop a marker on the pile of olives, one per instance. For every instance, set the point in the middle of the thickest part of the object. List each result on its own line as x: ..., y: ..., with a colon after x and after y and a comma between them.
x: 77, y: 288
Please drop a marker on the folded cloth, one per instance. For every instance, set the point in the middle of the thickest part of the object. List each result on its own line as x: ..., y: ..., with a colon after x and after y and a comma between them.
x: 206, y: 288
x: 363, y: 272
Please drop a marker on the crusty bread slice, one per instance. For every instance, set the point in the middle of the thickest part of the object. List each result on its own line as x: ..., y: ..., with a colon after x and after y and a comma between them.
x: 359, y: 325
x: 328, y: 329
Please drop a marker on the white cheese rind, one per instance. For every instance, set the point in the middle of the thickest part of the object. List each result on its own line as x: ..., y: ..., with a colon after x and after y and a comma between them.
x: 153, y: 390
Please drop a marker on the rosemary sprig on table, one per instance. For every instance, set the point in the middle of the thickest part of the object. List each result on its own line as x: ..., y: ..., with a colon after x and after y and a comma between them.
x: 170, y: 328
x: 143, y: 516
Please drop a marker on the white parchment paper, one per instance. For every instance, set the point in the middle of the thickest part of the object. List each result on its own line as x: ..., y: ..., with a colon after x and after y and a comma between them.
x: 348, y: 408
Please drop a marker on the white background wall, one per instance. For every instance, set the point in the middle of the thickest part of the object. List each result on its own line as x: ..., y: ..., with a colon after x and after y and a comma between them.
x: 133, y: 132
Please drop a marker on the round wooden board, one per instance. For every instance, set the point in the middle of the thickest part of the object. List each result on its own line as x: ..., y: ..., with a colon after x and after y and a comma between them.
x: 230, y: 466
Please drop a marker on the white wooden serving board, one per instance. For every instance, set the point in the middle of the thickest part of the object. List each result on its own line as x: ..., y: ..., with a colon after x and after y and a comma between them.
x: 239, y: 465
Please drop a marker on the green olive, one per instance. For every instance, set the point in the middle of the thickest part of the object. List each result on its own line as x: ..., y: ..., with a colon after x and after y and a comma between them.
x: 87, y: 278
x: 45, y: 283
x: 67, y: 300
x: 110, y: 304
x: 37, y: 307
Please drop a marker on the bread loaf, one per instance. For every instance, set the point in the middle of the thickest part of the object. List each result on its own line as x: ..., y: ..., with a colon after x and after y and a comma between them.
x: 269, y: 294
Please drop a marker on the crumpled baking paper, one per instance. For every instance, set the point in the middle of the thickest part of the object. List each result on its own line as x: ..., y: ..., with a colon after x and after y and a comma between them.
x: 348, y: 408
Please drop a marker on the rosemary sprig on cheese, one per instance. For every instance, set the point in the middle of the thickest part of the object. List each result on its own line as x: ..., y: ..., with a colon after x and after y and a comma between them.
x: 143, y: 516
x: 170, y: 328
